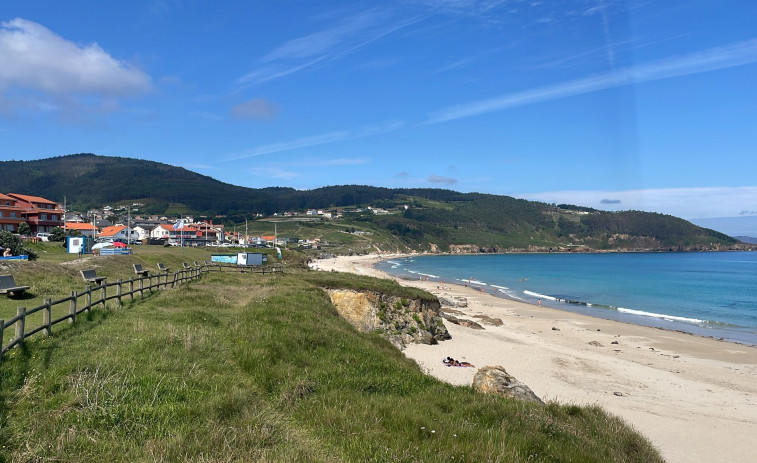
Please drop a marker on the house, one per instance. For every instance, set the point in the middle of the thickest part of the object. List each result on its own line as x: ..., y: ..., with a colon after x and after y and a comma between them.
x: 167, y: 232
x: 41, y: 214
x: 161, y: 232
x: 86, y: 229
x: 144, y: 231
x: 10, y: 214
x: 118, y: 232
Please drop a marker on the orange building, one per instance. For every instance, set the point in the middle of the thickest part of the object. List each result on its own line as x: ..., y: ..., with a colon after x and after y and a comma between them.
x: 10, y: 214
x: 41, y: 214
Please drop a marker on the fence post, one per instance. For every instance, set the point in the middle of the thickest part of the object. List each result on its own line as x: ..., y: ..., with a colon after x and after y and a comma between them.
x: 118, y: 291
x: 72, y: 305
x: 2, y: 329
x: 89, y: 298
x: 131, y: 288
x: 47, y: 317
x: 21, y: 323
x: 149, y: 280
x: 105, y: 293
x: 141, y: 286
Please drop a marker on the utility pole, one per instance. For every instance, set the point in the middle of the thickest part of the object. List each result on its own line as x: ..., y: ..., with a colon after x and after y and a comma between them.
x: 245, y: 234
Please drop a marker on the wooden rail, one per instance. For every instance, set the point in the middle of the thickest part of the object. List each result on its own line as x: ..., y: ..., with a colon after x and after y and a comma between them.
x: 79, y: 302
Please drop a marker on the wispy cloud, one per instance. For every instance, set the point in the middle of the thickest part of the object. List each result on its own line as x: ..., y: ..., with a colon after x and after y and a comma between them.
x: 298, y: 143
x: 315, y: 140
x: 437, y: 179
x: 727, y: 56
x: 273, y: 172
x: 682, y: 202
x: 344, y: 37
x: 201, y: 167
x: 330, y: 162
x: 207, y: 115
x: 257, y: 108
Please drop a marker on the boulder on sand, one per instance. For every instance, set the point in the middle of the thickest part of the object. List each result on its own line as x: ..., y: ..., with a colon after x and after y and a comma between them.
x: 495, y: 380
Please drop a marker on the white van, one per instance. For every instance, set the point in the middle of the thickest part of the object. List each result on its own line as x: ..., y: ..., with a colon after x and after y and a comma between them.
x: 43, y: 236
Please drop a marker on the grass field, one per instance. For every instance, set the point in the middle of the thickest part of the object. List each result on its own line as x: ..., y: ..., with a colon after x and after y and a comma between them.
x: 250, y: 367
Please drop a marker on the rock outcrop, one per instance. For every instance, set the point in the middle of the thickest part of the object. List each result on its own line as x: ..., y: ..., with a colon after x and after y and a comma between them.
x: 495, y: 380
x: 402, y: 321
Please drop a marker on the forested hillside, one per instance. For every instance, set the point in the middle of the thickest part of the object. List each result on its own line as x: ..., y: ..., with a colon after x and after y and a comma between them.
x: 423, y: 218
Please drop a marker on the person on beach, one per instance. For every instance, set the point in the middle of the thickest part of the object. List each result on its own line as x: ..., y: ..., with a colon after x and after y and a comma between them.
x: 540, y: 302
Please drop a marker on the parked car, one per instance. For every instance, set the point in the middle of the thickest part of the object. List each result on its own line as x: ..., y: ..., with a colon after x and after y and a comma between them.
x: 43, y: 236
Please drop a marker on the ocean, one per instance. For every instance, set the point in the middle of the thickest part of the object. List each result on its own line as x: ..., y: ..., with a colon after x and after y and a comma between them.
x: 709, y: 293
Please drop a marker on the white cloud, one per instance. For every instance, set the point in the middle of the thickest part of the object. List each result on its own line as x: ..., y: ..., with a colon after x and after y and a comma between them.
x: 33, y: 57
x: 688, y: 203
x: 735, y: 54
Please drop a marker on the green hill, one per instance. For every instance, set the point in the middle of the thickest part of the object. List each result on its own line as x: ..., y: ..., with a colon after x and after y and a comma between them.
x: 250, y: 367
x: 421, y: 218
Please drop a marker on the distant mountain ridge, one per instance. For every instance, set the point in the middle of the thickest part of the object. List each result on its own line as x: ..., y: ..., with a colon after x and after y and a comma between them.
x: 426, y: 219
x: 747, y: 239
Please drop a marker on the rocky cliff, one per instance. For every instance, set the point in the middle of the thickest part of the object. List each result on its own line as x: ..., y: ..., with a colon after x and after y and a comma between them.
x: 400, y: 320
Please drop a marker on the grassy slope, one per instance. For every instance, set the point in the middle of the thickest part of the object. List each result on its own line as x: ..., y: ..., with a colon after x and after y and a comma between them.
x: 242, y: 367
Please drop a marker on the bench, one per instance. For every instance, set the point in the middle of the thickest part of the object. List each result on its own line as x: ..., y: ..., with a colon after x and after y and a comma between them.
x: 163, y: 268
x: 140, y: 271
x: 91, y: 277
x: 8, y: 286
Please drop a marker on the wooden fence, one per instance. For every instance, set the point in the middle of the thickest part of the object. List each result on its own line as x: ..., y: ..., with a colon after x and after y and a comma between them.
x: 79, y: 302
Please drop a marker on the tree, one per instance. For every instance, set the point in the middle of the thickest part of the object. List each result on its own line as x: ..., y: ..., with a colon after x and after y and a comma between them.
x: 24, y: 229
x: 57, y: 234
x: 14, y: 243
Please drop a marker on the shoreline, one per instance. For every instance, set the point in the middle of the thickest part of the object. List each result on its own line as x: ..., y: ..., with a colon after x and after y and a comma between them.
x: 681, y: 390
x: 708, y: 328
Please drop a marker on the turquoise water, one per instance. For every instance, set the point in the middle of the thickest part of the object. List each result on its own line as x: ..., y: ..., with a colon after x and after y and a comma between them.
x: 711, y: 294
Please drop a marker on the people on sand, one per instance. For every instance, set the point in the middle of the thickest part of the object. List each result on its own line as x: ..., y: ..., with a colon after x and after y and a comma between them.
x: 450, y: 362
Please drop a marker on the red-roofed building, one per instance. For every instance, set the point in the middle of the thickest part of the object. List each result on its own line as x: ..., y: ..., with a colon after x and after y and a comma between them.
x: 118, y: 232
x: 41, y: 214
x: 86, y: 229
x: 10, y: 214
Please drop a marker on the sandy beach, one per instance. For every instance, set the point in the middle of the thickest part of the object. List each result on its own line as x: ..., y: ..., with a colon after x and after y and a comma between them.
x: 695, y: 398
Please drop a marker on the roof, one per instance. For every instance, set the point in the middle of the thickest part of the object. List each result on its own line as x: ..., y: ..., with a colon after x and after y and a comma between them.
x: 78, y: 226
x: 2, y: 196
x: 110, y: 231
x: 32, y: 199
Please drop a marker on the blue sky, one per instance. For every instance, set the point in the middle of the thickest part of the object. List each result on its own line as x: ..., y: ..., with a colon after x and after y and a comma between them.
x: 646, y: 105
